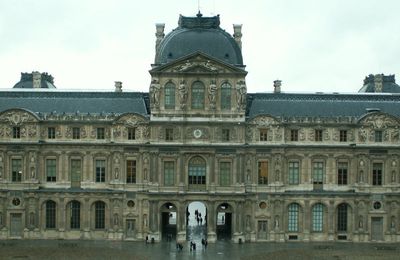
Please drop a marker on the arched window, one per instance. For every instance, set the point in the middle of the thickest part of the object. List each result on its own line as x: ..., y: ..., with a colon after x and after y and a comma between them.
x: 197, y: 95
x: 50, y: 214
x: 197, y: 171
x: 226, y: 96
x: 99, y: 214
x: 317, y: 217
x: 293, y: 223
x: 342, y: 217
x: 169, y: 96
x: 75, y: 216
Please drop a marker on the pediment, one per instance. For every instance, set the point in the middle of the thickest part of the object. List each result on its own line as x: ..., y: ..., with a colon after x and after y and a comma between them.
x: 379, y: 120
x: 198, y: 63
x: 130, y: 119
x: 18, y: 117
x: 264, y: 120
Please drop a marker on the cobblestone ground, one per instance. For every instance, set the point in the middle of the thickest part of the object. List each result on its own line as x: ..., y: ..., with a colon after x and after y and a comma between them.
x: 83, y: 249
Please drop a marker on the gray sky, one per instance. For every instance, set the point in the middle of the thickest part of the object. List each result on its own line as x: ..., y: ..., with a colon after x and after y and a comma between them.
x: 311, y: 45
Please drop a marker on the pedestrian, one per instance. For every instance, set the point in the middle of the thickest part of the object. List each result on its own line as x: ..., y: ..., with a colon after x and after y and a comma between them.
x: 201, y: 221
x: 205, y: 243
x: 191, y: 245
x: 194, y: 246
x: 147, y: 239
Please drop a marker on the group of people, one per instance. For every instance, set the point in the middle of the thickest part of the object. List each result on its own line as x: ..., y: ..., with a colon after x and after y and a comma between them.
x: 199, y: 219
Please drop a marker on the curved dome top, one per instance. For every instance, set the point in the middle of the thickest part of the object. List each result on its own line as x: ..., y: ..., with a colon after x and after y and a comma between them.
x: 199, y: 34
x: 35, y: 80
x: 380, y: 83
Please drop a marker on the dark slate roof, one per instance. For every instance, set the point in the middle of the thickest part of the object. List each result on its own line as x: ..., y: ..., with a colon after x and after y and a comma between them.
x: 199, y: 34
x: 47, y: 81
x: 72, y: 102
x: 388, y: 84
x: 323, y: 105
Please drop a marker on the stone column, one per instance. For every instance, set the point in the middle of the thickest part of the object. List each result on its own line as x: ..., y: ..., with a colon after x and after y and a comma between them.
x: 211, y: 223
x: 86, y: 218
x: 181, y: 223
x: 331, y: 220
x: 307, y: 220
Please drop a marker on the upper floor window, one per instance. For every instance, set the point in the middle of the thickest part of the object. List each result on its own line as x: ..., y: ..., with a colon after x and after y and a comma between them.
x: 51, y: 174
x: 76, y: 133
x: 294, y: 135
x: 51, y: 133
x: 263, y: 134
x: 130, y: 171
x: 263, y: 172
x: 294, y: 173
x: 169, y: 173
x: 100, y: 170
x: 169, y: 134
x: 226, y: 96
x: 378, y: 136
x: 169, y: 96
x: 318, y: 135
x: 343, y: 136
x: 197, y: 171
x: 318, y: 172
x: 225, y: 134
x: 197, y: 95
x: 224, y: 173
x: 16, y: 132
x: 16, y: 170
x: 342, y: 173
x: 100, y: 133
x: 131, y: 133
x: 377, y: 172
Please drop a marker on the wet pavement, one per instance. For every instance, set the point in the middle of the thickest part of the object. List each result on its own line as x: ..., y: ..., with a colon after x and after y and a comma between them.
x: 84, y: 249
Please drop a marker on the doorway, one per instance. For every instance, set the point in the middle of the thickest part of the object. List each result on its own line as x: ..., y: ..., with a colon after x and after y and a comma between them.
x: 16, y: 225
x: 224, y: 222
x: 130, y: 228
x: 168, y: 222
x: 196, y: 221
x: 377, y: 228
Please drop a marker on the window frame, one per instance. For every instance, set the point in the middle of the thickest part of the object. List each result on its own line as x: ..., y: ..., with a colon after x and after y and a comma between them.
x: 99, y: 215
x: 131, y: 133
x: 226, y: 96
x: 100, y: 170
x: 293, y: 217
x: 169, y: 134
x: 51, y: 214
x: 100, y: 133
x: 51, y: 132
x: 225, y: 173
x: 378, y: 136
x: 262, y: 165
x: 16, y: 132
x: 51, y: 170
x: 318, y: 135
x: 318, y: 172
x: 377, y: 174
x: 169, y: 173
x: 76, y: 133
x: 342, y: 135
x: 342, y: 173
x: 169, y: 95
x: 131, y: 171
x: 293, y: 178
x: 294, y: 135
x: 16, y: 170
x: 198, y: 95
x: 318, y: 217
x: 263, y: 134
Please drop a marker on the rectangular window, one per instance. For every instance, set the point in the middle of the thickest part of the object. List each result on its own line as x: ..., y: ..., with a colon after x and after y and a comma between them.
x: 16, y: 170
x: 51, y: 133
x: 318, y: 135
x: 76, y: 133
x: 169, y: 173
x: 264, y: 135
x: 343, y: 136
x: 342, y: 173
x: 377, y: 171
x: 130, y: 171
x: 169, y: 134
x: 317, y: 217
x: 224, y: 173
x: 262, y: 172
x: 169, y: 96
x: 100, y: 133
x: 16, y: 132
x: 294, y: 135
x: 318, y: 172
x: 225, y: 134
x: 293, y: 173
x: 100, y: 170
x: 51, y: 174
x: 131, y: 133
x: 293, y: 225
x: 378, y: 136
x: 76, y: 169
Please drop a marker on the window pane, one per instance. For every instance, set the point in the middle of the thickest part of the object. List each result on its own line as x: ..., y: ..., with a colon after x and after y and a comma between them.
x: 169, y: 96
x: 100, y: 133
x: 226, y: 96
x: 317, y: 217
x: 377, y: 169
x: 130, y: 171
x: 342, y: 217
x: 169, y: 172
x: 198, y: 95
x: 16, y: 170
x: 225, y: 173
x: 75, y: 214
x: 131, y: 133
x: 293, y: 217
x: 197, y: 171
x: 51, y: 170
x: 262, y: 172
x: 100, y: 170
x: 342, y: 173
x: 318, y: 172
x: 100, y: 215
x: 293, y: 172
x: 50, y: 214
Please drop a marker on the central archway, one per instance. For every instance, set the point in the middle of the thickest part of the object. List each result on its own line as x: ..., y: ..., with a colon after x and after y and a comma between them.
x: 196, y: 222
x: 168, y: 222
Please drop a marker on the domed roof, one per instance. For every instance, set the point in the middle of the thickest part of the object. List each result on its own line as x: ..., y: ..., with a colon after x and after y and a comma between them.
x: 35, y: 80
x: 199, y: 34
x: 380, y: 83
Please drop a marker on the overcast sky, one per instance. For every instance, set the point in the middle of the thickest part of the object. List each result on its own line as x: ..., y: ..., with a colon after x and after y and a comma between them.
x: 311, y: 45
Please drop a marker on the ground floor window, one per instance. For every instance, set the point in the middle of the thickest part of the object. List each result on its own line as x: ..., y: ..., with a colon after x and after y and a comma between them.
x: 50, y: 214
x: 317, y: 217
x: 75, y: 214
x: 342, y: 218
x: 99, y: 216
x: 293, y: 223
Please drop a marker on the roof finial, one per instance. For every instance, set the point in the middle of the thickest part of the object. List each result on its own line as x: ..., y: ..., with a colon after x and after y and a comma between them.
x: 198, y: 8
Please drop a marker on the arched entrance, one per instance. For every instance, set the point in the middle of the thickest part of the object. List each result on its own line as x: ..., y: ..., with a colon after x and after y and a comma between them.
x: 196, y: 222
x: 224, y: 221
x: 168, y: 221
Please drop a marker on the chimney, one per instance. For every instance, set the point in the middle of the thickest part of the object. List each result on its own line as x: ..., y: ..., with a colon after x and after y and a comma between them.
x: 159, y: 34
x: 378, y: 82
x: 237, y: 34
x: 36, y: 79
x: 277, y: 86
x: 118, y: 86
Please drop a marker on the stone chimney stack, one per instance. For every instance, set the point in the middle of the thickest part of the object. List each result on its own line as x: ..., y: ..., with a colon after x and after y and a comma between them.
x: 237, y: 34
x: 118, y: 86
x: 159, y: 34
x: 36, y: 79
x: 277, y: 86
x: 378, y: 82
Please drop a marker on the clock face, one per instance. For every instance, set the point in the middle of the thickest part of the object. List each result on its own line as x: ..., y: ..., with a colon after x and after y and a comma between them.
x: 197, y: 133
x: 16, y: 201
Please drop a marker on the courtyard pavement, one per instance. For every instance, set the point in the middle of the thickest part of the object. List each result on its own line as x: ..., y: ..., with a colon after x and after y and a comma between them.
x: 85, y: 249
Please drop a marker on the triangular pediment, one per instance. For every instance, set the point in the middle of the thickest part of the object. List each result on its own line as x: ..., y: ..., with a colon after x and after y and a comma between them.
x: 198, y: 63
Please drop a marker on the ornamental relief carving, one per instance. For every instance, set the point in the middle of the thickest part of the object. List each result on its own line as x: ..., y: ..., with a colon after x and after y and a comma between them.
x: 17, y: 118
x: 264, y: 121
x: 199, y: 133
x: 143, y: 131
x: 380, y: 121
x: 131, y: 120
x: 196, y: 66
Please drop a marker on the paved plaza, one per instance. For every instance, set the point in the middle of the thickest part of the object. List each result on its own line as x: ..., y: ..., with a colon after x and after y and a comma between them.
x: 83, y: 249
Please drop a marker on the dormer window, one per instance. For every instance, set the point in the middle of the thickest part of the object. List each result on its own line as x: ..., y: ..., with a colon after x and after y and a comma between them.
x: 16, y: 132
x: 378, y: 136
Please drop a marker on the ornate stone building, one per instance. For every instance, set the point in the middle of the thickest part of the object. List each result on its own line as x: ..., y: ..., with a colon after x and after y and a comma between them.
x: 278, y: 166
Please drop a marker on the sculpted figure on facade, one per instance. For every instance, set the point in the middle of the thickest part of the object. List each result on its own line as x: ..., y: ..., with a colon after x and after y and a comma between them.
x: 241, y: 92
x: 183, y: 94
x: 362, y: 134
x: 212, y: 94
x: 155, y: 93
